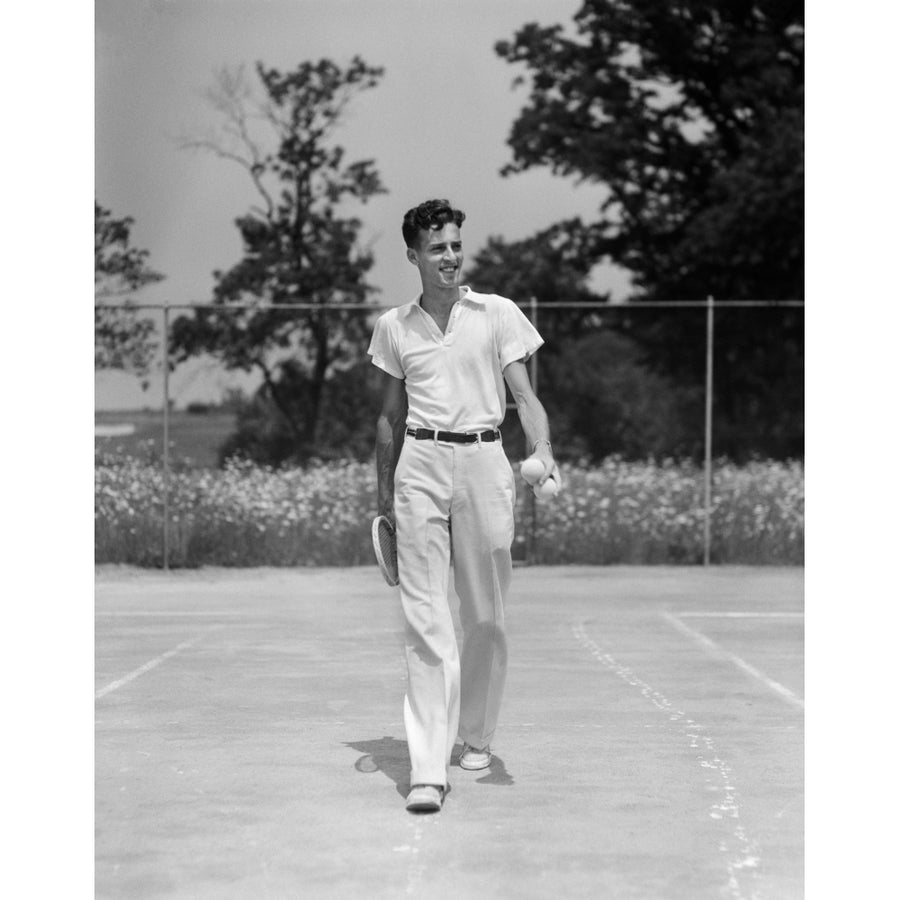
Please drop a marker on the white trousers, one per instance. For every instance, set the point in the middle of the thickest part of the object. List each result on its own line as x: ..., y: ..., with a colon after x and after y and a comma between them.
x: 453, y: 505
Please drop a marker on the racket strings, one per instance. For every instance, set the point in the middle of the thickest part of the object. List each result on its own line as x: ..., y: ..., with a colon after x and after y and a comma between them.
x: 387, y: 544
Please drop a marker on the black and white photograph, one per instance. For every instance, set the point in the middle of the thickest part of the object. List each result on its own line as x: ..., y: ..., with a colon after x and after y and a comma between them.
x: 450, y: 404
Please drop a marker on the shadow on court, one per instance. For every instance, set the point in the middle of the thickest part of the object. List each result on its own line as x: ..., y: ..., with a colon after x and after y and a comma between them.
x: 389, y: 756
x: 249, y: 740
x: 386, y: 755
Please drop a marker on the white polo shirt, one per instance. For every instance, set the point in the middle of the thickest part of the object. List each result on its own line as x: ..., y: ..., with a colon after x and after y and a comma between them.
x: 454, y: 381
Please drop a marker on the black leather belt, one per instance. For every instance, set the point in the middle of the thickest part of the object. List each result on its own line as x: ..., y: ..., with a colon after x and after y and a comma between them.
x: 454, y: 437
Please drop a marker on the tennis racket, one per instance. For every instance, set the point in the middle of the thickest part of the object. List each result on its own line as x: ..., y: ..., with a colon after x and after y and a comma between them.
x: 384, y: 540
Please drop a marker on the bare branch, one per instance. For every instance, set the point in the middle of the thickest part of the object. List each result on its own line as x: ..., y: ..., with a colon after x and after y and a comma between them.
x: 229, y: 96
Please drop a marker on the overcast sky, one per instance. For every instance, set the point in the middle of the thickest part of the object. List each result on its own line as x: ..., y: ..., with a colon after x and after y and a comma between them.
x: 436, y: 125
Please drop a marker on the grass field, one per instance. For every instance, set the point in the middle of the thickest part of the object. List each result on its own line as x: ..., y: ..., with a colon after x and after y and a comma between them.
x: 194, y: 438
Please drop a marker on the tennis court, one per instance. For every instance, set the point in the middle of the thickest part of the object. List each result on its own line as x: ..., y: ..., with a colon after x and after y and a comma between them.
x: 249, y: 741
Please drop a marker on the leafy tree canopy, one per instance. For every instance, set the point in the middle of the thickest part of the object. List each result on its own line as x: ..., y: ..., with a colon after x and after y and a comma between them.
x: 299, y: 245
x: 122, y: 338
x: 691, y: 114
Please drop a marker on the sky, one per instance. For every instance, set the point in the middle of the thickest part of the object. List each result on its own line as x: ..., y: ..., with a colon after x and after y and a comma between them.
x: 436, y: 126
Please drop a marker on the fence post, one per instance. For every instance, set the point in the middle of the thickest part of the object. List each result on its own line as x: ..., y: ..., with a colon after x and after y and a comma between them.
x: 707, y: 441
x: 165, y: 455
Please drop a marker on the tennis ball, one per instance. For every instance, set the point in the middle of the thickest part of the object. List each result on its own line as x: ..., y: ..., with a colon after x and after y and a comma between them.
x: 546, y: 490
x: 532, y: 469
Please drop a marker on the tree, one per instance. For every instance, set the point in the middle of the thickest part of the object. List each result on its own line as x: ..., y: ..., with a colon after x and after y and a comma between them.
x: 122, y: 338
x: 349, y: 395
x: 298, y: 248
x: 691, y: 115
x: 552, y: 266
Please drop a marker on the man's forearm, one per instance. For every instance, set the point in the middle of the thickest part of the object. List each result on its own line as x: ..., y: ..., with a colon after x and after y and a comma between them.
x: 536, y: 426
x: 388, y: 444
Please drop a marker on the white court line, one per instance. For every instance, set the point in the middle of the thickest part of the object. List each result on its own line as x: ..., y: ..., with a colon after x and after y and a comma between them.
x: 741, y: 850
x: 162, y: 613
x: 115, y: 685
x: 739, y: 615
x: 714, y: 649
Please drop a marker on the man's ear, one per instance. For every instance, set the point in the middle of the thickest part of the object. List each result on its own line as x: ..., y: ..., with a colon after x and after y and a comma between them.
x: 411, y: 256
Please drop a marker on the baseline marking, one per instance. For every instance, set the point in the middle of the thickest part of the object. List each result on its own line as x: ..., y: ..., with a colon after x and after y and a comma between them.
x: 719, y: 652
x: 153, y: 663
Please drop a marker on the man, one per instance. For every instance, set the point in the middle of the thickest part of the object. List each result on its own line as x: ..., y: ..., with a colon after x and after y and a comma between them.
x: 445, y: 481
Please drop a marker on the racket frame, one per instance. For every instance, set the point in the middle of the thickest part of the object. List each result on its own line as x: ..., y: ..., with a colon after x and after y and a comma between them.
x: 392, y: 579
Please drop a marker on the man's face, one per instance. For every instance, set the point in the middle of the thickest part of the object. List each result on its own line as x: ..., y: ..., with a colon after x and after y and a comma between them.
x: 438, y: 256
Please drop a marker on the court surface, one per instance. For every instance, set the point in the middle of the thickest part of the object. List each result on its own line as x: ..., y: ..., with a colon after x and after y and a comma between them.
x: 249, y: 740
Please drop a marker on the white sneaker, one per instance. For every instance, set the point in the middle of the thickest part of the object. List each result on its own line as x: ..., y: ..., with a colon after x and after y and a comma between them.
x: 425, y: 798
x: 473, y: 759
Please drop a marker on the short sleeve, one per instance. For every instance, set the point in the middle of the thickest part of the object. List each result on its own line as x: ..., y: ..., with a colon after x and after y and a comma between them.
x: 517, y: 338
x: 383, y: 349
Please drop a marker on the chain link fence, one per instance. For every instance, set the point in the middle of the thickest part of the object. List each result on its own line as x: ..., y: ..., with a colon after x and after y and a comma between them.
x: 156, y: 469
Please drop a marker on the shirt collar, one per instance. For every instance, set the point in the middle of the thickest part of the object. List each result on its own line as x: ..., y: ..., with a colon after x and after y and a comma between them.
x: 467, y: 296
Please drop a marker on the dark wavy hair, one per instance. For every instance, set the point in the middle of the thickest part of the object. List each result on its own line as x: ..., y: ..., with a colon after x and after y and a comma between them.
x: 428, y: 215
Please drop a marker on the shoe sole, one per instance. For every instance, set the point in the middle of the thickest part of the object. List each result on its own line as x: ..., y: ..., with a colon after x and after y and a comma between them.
x: 471, y: 768
x: 423, y: 807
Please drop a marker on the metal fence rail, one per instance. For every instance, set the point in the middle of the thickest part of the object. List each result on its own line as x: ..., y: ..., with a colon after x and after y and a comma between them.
x: 532, y: 308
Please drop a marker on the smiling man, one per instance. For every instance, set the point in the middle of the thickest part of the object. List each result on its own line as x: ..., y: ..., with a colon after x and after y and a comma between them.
x: 444, y: 479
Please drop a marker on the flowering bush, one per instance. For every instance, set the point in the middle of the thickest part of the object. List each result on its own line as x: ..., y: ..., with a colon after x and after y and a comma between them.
x: 646, y: 512
x: 619, y: 512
